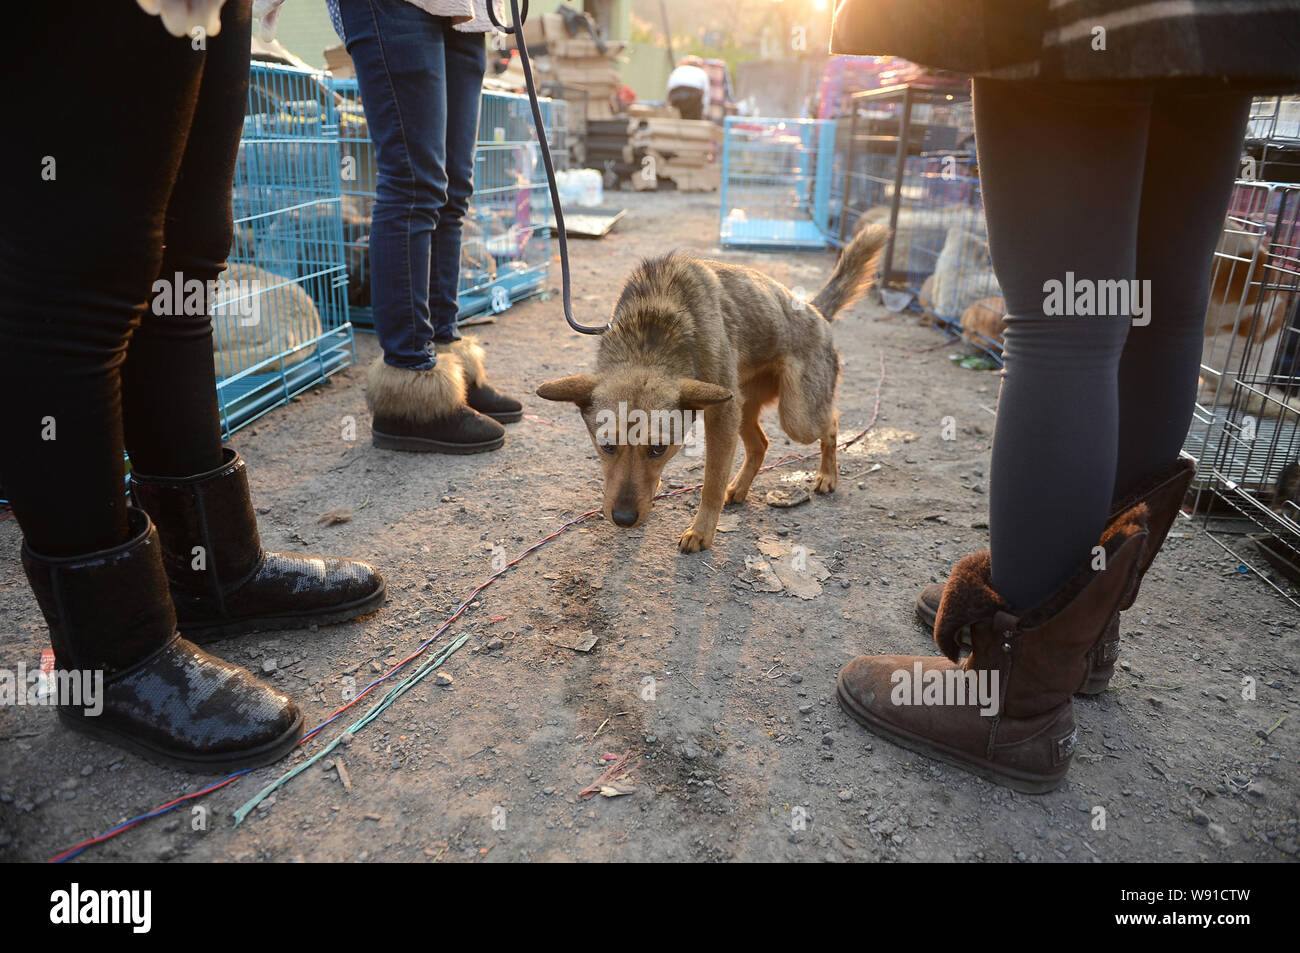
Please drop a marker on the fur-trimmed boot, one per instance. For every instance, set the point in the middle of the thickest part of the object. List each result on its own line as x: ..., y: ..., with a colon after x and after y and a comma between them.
x: 478, y: 394
x: 223, y: 582
x: 160, y: 696
x: 1004, y: 712
x: 425, y: 411
x: 1163, y: 494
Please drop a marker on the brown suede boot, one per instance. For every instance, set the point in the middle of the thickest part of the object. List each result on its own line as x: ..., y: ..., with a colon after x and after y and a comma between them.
x: 1163, y: 494
x: 1004, y: 712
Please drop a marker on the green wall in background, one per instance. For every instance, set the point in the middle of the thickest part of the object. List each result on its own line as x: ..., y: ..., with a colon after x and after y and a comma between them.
x: 305, y: 30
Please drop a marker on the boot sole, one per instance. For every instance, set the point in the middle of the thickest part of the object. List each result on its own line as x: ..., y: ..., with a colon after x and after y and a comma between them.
x: 925, y: 615
x: 423, y: 445
x: 268, y: 753
x: 506, y: 418
x: 1094, y: 686
x: 203, y: 633
x: 1016, y: 780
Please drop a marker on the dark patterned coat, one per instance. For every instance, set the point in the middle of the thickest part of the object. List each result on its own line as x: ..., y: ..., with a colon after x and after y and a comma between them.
x: 1252, y: 44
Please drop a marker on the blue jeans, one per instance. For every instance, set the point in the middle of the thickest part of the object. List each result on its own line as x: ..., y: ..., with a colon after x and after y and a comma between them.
x: 420, y: 82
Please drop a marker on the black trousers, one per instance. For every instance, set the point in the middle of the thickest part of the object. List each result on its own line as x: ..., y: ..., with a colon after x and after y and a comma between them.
x: 1105, y: 183
x: 688, y: 100
x: 116, y: 174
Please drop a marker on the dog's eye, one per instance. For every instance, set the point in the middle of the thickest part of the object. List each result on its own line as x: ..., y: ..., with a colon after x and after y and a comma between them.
x: 655, y: 450
x: 610, y: 448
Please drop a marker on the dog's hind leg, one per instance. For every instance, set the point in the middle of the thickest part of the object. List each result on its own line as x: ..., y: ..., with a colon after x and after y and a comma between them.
x: 721, y: 425
x: 828, y: 471
x: 807, y: 408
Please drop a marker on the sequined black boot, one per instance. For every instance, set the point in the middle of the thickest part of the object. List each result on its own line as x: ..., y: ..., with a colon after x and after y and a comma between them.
x: 222, y: 582
x: 140, y: 685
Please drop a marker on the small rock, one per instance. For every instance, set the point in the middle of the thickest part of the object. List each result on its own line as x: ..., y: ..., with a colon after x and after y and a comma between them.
x: 443, y: 679
x: 1218, y: 834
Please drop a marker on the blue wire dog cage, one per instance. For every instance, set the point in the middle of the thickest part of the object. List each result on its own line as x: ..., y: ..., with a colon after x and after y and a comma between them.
x: 776, y: 183
x: 505, y: 247
x: 280, y: 312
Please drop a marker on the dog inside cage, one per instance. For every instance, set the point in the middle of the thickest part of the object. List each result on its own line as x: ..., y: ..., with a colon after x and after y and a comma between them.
x: 1246, y: 432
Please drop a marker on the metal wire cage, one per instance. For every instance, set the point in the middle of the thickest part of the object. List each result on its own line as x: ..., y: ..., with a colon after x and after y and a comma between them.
x: 505, y: 245
x: 1273, y: 139
x: 280, y: 311
x: 940, y: 250
x: 776, y: 183
x: 905, y: 158
x: 1245, y: 433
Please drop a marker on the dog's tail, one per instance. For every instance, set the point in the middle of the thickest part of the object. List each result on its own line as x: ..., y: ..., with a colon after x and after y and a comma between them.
x: 854, y: 272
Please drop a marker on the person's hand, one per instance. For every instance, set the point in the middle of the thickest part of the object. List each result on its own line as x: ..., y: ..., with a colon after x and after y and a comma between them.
x: 182, y: 17
x: 266, y: 13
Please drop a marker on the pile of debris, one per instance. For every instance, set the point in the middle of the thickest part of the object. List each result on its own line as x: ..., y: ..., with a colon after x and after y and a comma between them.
x: 653, y: 146
x: 572, y: 61
x: 687, y: 152
x: 611, y: 152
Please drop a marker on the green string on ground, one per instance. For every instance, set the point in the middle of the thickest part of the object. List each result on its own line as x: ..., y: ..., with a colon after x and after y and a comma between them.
x: 396, y: 692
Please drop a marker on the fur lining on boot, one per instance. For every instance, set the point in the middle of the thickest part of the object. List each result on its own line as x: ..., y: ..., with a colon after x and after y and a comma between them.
x: 1121, y: 528
x: 968, y: 597
x: 416, y: 395
x: 471, y: 355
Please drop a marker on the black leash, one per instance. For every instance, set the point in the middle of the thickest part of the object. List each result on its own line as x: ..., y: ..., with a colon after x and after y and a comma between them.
x: 540, y: 128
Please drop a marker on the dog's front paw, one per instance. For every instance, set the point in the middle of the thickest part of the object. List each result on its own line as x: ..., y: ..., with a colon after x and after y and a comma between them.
x: 692, y: 541
x: 826, y: 482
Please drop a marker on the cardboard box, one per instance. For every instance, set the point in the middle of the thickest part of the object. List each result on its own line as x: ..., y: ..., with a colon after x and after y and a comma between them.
x: 586, y: 76
x: 583, y: 45
x: 339, y: 63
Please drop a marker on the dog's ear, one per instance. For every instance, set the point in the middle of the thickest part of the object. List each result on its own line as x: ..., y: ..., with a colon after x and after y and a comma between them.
x: 696, y: 395
x: 576, y: 388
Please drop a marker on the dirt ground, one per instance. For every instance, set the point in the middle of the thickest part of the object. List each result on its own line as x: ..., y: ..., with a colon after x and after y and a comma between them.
x: 722, y: 693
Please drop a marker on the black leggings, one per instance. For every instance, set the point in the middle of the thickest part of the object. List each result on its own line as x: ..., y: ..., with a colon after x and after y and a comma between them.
x: 112, y: 179
x: 1107, y: 183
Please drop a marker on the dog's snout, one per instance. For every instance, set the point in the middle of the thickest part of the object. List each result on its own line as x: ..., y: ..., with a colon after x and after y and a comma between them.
x: 624, y: 515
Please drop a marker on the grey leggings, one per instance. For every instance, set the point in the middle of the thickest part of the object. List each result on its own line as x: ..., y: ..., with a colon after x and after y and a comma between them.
x: 1108, y: 183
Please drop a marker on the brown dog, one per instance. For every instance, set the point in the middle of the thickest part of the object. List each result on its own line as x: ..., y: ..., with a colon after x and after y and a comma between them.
x: 687, y: 335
